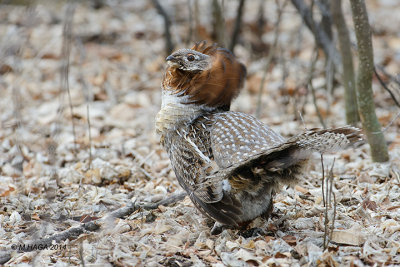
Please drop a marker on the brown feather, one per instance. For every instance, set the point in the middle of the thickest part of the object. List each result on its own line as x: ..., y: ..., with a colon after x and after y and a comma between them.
x: 214, y: 87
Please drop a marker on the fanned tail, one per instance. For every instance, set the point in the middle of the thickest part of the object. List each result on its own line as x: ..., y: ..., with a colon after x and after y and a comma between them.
x: 328, y: 140
x: 285, y: 162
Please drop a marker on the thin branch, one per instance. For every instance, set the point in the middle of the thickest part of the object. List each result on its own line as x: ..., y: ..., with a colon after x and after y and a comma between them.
x: 386, y: 88
x: 330, y: 178
x: 238, y: 23
x: 196, y: 16
x: 74, y: 232
x: 218, y: 22
x: 391, y: 122
x: 66, y: 51
x: 302, y: 121
x: 393, y: 79
x: 329, y: 77
x: 169, y: 46
x: 261, y: 21
x: 321, y: 37
x: 285, y: 70
x: 88, y: 95
x: 90, y: 136
x: 189, y: 38
x: 323, y: 179
x: 329, y: 193
x: 325, y: 199
x: 334, y: 199
x: 270, y: 55
x: 301, y: 100
x: 326, y: 221
x: 312, y: 89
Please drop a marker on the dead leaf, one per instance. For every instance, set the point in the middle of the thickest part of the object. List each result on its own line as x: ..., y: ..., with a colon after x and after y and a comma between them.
x: 249, y: 245
x: 269, y: 238
x: 368, y: 204
x: 87, y: 218
x: 35, y: 217
x: 327, y: 260
x: 352, y: 237
x: 291, y: 240
x: 301, y: 189
x: 280, y: 255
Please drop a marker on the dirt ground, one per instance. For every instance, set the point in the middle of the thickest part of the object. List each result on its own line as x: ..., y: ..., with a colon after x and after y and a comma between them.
x: 55, y: 176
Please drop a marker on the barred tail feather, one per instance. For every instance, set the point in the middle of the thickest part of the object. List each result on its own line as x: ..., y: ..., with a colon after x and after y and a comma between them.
x: 328, y: 140
x: 287, y: 160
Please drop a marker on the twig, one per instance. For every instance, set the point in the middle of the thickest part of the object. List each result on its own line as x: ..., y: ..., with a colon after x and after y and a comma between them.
x: 169, y: 46
x: 330, y: 178
x: 88, y: 96
x: 334, y: 215
x: 281, y: 220
x: 321, y: 37
x: 325, y: 226
x: 323, y: 179
x: 165, y: 202
x: 325, y: 202
x: 285, y: 71
x: 270, y: 55
x: 218, y: 22
x: 391, y: 122
x: 148, y: 175
x: 17, y: 103
x: 312, y: 89
x: 261, y: 89
x: 260, y: 19
x: 328, y: 194
x: 196, y: 18
x: 238, y: 23
x: 90, y: 136
x: 66, y: 51
x: 393, y: 79
x: 190, y: 34
x: 321, y: 120
x: 386, y: 88
x: 302, y: 120
x: 334, y: 199
x: 329, y: 77
x: 301, y: 100
x: 94, y: 225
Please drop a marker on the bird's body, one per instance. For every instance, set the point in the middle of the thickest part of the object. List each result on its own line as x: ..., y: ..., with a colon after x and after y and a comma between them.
x: 230, y: 163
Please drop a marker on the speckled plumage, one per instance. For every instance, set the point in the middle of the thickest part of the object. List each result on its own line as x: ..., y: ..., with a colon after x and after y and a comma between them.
x: 229, y: 162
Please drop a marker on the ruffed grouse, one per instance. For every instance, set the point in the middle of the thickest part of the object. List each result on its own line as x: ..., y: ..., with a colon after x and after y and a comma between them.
x: 229, y: 163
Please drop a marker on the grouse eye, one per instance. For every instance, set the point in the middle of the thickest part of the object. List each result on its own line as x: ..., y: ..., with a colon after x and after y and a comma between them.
x: 190, y: 57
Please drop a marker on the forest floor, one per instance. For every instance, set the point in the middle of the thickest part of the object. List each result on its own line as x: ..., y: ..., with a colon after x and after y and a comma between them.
x: 54, y: 176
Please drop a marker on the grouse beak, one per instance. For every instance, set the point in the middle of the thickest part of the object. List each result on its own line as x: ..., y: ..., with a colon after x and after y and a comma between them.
x: 170, y: 58
x: 172, y: 61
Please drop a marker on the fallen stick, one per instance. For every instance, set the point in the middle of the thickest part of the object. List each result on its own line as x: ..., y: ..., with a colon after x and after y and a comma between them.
x: 74, y: 232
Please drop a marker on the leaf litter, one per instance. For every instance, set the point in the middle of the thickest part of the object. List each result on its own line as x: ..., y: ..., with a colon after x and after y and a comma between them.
x: 50, y: 185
